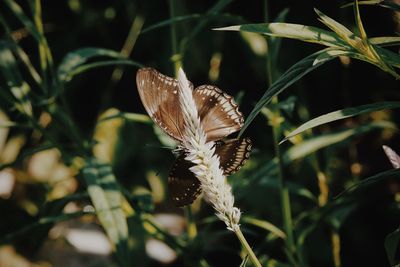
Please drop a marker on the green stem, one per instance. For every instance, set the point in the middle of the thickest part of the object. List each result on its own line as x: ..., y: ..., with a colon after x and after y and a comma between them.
x: 191, y: 225
x: 275, y: 122
x: 247, y: 247
x: 176, y: 57
x: 37, y: 16
x: 284, y: 191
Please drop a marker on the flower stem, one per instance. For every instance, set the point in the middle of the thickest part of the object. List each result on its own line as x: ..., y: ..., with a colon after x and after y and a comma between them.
x: 247, y: 247
x: 275, y: 123
x: 191, y: 225
x: 284, y: 191
x: 176, y: 57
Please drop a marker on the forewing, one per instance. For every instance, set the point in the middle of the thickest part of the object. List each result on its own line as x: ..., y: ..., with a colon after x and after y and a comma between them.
x: 233, y: 154
x: 183, y: 185
x: 159, y: 95
x: 219, y: 114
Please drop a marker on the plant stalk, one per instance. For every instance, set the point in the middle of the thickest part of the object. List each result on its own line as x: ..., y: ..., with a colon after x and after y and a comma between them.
x: 283, y: 189
x: 176, y: 59
x: 37, y: 17
x: 276, y: 129
x: 247, y: 247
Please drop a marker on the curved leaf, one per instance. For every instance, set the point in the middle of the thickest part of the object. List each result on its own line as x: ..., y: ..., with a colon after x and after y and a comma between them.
x: 290, y: 30
x: 107, y: 200
x: 293, y: 74
x: 390, y: 174
x: 79, y: 57
x: 313, y: 144
x: 339, y: 115
x: 392, y: 246
x: 94, y: 65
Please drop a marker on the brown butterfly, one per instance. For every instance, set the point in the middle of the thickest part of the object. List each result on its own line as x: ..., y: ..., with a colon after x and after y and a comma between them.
x: 219, y: 116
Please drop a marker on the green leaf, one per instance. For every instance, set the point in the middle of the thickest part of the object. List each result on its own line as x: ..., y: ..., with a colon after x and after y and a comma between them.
x: 315, y: 143
x: 289, y: 30
x: 341, y: 114
x: 345, y: 34
x: 383, y: 3
x: 40, y: 223
x: 185, y: 18
x: 244, y: 261
x: 390, y: 174
x: 79, y: 57
x: 265, y: 177
x: 388, y: 56
x: 392, y: 246
x: 214, y: 10
x: 359, y: 23
x: 27, y: 22
x: 265, y: 225
x: 86, y: 67
x: 20, y: 52
x: 293, y: 74
x: 135, y: 117
x: 17, y: 86
x: 107, y: 200
x: 385, y: 40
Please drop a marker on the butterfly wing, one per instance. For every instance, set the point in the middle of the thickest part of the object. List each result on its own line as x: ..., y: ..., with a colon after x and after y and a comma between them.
x: 219, y: 114
x: 160, y: 97
x: 183, y: 185
x: 233, y: 154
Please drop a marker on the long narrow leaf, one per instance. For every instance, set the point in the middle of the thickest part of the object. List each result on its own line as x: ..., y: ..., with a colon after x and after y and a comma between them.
x: 25, y: 20
x: 341, y: 114
x: 293, y: 74
x: 392, y: 243
x: 309, y: 146
x: 107, y: 200
x: 79, y: 57
x: 385, y: 40
x: 289, y: 30
x: 86, y: 67
x: 186, y: 18
x: 18, y: 88
x: 390, y: 174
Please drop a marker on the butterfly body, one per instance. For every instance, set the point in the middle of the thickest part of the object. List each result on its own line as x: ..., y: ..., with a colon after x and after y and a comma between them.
x: 219, y: 117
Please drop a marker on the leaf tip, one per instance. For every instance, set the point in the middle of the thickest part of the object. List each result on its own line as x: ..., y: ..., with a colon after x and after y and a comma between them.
x: 229, y: 28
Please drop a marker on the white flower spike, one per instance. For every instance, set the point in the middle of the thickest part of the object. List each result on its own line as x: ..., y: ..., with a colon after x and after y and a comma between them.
x: 214, y: 185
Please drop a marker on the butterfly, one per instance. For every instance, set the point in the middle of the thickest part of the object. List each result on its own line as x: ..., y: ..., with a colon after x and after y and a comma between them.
x: 219, y: 117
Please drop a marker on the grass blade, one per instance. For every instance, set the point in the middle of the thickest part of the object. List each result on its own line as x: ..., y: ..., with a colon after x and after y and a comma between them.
x: 86, y: 67
x: 107, y: 200
x: 289, y: 30
x: 385, y: 40
x: 79, y: 57
x: 390, y: 174
x: 341, y: 114
x: 265, y: 225
x: 392, y: 242
x: 40, y: 223
x: 192, y: 17
x: 293, y: 74
x: 25, y: 20
x: 18, y: 88
x: 313, y: 144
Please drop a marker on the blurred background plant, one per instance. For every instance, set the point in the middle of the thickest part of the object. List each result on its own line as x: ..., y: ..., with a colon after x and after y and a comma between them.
x: 83, y: 168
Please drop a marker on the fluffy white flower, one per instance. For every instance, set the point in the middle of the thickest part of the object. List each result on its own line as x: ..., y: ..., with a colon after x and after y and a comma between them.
x: 215, y: 187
